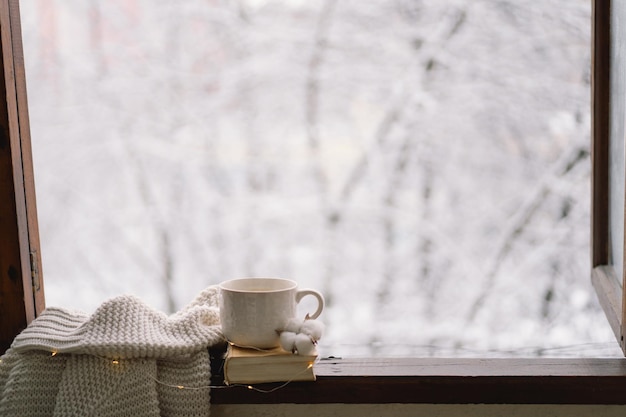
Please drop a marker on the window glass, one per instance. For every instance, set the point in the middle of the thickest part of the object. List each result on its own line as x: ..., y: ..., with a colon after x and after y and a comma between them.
x: 423, y: 164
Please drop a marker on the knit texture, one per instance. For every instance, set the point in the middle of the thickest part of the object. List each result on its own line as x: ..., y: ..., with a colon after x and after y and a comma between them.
x: 126, y: 359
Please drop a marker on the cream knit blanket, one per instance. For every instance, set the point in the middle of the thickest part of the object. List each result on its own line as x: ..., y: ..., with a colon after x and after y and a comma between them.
x: 124, y: 360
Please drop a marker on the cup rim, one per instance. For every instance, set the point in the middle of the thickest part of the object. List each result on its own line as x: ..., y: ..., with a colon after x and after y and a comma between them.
x: 226, y: 285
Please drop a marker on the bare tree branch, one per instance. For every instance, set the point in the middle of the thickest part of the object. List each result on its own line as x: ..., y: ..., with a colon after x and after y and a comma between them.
x: 521, y: 219
x: 313, y: 93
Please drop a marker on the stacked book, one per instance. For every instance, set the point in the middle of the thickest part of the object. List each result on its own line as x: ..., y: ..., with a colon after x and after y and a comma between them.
x: 250, y: 366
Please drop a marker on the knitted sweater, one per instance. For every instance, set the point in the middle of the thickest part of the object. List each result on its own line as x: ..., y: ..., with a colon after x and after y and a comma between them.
x: 124, y: 360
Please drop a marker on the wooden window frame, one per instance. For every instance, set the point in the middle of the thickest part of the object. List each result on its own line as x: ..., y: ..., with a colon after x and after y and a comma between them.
x: 21, y: 280
x: 347, y: 381
x: 445, y: 381
x: 607, y: 279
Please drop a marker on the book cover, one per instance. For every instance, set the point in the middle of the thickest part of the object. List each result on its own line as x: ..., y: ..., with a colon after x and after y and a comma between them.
x: 250, y: 366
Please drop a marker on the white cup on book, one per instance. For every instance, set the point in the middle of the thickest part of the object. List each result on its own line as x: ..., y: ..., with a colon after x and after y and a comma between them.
x: 254, y: 310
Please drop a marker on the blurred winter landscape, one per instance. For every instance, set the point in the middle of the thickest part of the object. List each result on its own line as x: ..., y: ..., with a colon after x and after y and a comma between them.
x: 423, y: 164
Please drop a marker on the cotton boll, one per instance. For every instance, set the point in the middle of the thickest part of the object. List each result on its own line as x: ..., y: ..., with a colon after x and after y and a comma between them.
x: 305, y: 345
x: 288, y: 341
x: 293, y: 325
x: 313, y: 328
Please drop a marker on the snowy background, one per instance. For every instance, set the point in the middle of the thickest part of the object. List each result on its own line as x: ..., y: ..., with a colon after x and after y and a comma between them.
x: 424, y: 164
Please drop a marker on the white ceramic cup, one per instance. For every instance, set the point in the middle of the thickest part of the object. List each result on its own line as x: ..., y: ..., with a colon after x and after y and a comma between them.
x: 252, y: 310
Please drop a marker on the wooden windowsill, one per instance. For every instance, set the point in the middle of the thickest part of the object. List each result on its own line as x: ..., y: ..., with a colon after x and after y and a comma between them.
x: 447, y: 381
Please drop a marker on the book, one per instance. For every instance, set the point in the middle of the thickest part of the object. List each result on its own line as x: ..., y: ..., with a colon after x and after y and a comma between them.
x: 250, y: 366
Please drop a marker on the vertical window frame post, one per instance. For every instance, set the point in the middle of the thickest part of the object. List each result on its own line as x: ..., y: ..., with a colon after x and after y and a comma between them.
x: 21, y: 279
x: 606, y: 278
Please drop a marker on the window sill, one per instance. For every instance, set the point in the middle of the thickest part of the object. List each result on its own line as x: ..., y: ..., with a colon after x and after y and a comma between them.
x: 447, y: 381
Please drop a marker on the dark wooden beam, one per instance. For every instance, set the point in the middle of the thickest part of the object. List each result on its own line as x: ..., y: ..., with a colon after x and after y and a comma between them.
x: 600, y: 90
x: 446, y: 381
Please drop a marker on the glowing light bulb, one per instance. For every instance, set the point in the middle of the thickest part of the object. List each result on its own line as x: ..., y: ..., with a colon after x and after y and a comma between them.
x: 115, y: 362
x: 53, y: 353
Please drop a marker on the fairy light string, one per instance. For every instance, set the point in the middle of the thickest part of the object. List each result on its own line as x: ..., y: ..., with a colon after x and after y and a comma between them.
x: 248, y: 386
x: 117, y: 362
x: 310, y: 329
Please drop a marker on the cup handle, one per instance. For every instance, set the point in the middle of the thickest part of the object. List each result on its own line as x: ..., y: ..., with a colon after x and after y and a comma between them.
x: 320, y: 301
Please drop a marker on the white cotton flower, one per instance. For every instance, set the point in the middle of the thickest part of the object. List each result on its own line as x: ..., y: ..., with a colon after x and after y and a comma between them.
x: 293, y: 325
x: 288, y: 341
x: 313, y: 328
x: 305, y: 345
